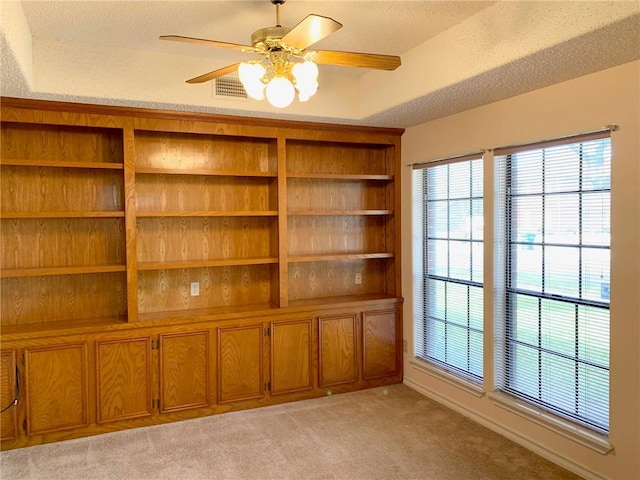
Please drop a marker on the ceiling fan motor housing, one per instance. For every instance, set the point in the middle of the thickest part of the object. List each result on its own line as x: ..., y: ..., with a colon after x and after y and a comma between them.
x: 269, y: 37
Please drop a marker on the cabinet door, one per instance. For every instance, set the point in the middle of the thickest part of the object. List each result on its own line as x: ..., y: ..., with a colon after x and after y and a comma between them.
x: 240, y: 363
x: 184, y: 371
x: 337, y: 350
x: 56, y: 387
x: 8, y: 378
x: 123, y: 378
x: 380, y: 350
x: 291, y: 356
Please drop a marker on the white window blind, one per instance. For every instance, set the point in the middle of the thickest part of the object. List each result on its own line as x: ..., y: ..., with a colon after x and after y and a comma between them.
x: 448, y: 271
x: 554, y: 317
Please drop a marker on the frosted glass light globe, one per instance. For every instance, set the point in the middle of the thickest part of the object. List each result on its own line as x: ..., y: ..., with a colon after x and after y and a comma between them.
x: 250, y: 75
x: 305, y: 72
x: 280, y: 92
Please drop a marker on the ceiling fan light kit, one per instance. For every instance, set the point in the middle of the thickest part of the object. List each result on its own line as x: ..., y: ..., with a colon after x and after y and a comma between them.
x: 279, y: 80
x: 287, y: 67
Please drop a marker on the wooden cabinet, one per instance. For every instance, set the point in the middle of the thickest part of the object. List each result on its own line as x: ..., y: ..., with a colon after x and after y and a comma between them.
x: 373, y: 333
x: 338, y: 352
x: 56, y: 390
x: 381, y: 350
x: 184, y: 370
x: 156, y: 266
x: 291, y: 356
x: 123, y: 378
x: 240, y: 363
x: 126, y: 375
x: 8, y: 394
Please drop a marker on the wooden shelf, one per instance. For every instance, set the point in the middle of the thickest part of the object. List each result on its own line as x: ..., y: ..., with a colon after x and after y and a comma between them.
x: 62, y: 327
x: 212, y: 213
x: 222, y: 262
x: 342, y: 300
x: 18, y: 162
x: 338, y: 212
x: 81, y: 214
x: 202, y: 171
x: 225, y: 312
x: 48, y: 271
x: 339, y: 256
x: 340, y: 176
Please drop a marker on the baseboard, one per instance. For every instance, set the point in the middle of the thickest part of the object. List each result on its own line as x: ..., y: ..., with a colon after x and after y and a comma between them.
x: 523, y: 440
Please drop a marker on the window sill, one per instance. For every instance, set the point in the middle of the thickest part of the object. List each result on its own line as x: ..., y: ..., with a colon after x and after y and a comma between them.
x: 447, y: 377
x: 578, y: 434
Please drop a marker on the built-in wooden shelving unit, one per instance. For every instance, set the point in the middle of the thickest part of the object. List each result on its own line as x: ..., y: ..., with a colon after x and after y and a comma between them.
x: 111, y: 217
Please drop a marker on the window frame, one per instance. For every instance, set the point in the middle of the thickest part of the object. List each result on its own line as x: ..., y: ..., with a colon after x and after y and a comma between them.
x: 444, y: 370
x: 508, y: 293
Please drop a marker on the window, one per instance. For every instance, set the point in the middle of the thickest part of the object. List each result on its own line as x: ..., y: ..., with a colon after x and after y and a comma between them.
x: 448, y: 240
x: 555, y: 304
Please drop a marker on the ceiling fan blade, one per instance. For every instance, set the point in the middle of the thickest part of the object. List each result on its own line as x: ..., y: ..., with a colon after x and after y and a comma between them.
x: 215, y: 74
x: 354, y: 59
x: 209, y: 43
x: 310, y: 30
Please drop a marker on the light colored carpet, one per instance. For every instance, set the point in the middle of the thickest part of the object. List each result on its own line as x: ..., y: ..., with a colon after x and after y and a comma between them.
x: 383, y: 433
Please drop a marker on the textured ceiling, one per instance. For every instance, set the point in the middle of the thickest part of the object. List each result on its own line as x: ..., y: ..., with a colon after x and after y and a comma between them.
x: 456, y: 54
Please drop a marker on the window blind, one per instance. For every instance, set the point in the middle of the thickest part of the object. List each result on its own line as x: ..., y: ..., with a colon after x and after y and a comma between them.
x: 554, y: 317
x: 448, y: 271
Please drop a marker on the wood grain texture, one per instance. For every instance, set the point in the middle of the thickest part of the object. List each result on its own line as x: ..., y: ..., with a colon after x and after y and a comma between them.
x: 61, y: 190
x: 186, y: 193
x: 341, y: 176
x: 45, y: 299
x: 69, y: 164
x: 216, y: 262
x: 8, y: 418
x: 56, y: 387
x: 240, y: 367
x: 380, y: 350
x: 54, y: 215
x: 336, y: 278
x: 60, y: 143
x: 123, y: 378
x: 394, y: 273
x: 130, y: 223
x: 328, y: 257
x: 184, y: 371
x: 203, y: 171
x: 207, y: 152
x: 340, y: 234
x: 305, y: 194
x: 33, y: 243
x: 336, y: 158
x: 291, y: 363
x: 197, y: 238
x: 149, y: 119
x: 170, y: 290
x: 280, y: 294
x: 48, y: 271
x: 338, y: 350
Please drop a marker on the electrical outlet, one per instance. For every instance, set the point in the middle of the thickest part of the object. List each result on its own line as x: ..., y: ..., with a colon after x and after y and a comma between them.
x: 358, y: 278
x: 195, y: 289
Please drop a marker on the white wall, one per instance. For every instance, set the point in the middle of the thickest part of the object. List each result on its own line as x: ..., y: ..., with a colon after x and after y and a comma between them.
x: 587, y: 103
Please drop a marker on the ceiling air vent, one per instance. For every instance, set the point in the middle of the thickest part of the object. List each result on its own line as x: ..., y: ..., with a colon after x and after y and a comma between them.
x: 229, y: 87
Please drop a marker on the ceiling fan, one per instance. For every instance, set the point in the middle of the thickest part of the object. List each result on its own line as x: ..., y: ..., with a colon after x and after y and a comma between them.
x: 287, y: 64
